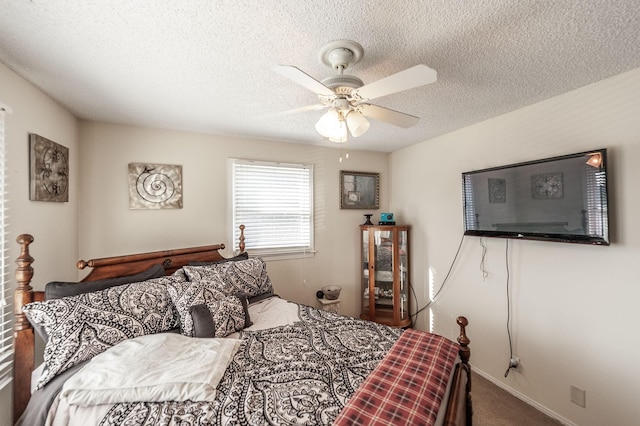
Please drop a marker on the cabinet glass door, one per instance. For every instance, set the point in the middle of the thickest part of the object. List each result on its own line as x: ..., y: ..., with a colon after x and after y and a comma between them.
x: 365, y: 274
x: 403, y: 266
x: 383, y: 281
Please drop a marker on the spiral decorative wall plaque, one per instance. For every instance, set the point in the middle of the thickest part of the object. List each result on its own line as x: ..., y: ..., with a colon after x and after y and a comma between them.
x: 49, y: 170
x: 155, y: 186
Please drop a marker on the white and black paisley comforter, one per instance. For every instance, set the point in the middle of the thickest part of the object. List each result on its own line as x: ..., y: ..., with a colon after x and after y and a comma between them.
x: 295, y: 374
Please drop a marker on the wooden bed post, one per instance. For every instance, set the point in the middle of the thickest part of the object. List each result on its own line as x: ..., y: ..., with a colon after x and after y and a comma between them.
x: 463, y: 340
x: 465, y: 355
x: 459, y: 408
x: 241, y: 245
x: 23, y: 338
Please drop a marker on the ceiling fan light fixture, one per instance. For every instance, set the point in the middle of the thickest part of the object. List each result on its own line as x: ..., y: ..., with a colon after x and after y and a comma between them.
x: 341, y: 133
x: 357, y: 123
x: 332, y: 126
x: 327, y: 124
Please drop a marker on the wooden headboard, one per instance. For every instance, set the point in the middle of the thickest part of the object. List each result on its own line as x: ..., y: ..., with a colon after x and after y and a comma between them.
x: 107, y: 267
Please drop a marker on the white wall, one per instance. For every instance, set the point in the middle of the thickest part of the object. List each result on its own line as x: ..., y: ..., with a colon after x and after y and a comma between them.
x: 108, y: 227
x: 54, y: 225
x: 574, y: 307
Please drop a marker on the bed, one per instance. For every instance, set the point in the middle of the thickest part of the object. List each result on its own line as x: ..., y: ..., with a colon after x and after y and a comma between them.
x: 196, y: 338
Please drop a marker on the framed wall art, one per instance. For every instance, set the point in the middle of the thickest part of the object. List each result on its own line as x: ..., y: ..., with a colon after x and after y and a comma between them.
x: 547, y: 185
x: 155, y: 186
x: 497, y: 190
x: 359, y: 190
x: 49, y: 170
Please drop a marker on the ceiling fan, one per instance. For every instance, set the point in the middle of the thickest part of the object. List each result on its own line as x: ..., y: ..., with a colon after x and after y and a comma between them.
x: 347, y: 96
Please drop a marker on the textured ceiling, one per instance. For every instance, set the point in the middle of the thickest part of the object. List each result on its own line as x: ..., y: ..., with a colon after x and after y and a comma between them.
x: 206, y: 66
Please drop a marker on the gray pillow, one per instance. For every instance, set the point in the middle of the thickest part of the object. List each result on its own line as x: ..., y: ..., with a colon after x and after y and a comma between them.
x: 58, y: 289
x: 242, y: 256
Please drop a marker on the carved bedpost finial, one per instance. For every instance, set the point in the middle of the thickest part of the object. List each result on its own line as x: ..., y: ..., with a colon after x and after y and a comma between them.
x: 463, y: 340
x: 241, y: 245
x: 24, y: 273
x: 23, y: 359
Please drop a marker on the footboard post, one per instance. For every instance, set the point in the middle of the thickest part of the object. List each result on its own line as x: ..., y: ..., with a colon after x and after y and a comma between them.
x: 23, y: 339
x: 465, y: 355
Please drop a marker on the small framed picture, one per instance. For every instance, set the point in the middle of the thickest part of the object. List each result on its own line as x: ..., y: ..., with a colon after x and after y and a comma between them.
x: 359, y: 190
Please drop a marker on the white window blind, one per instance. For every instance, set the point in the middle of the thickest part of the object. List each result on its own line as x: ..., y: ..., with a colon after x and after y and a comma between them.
x: 6, y: 313
x: 596, y: 202
x: 275, y: 203
x: 470, y: 218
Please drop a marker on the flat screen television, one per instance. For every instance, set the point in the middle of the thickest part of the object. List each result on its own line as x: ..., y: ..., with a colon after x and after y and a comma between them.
x: 554, y: 199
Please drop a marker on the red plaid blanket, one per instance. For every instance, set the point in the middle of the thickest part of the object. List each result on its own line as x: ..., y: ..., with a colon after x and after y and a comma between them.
x: 408, y: 385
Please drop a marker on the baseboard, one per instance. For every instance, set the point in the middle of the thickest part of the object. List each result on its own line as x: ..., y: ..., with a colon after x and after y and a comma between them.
x: 521, y: 397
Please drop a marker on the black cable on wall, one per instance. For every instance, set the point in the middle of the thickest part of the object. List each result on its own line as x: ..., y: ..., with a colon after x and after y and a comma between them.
x: 414, y: 316
x: 506, y: 260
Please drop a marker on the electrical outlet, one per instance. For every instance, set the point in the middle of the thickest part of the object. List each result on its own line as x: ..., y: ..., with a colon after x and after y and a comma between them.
x: 578, y: 396
x: 514, y: 362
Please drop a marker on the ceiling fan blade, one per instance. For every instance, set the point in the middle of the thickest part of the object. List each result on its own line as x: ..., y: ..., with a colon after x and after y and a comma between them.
x: 314, y: 107
x: 416, y: 76
x: 387, y: 115
x: 303, y: 79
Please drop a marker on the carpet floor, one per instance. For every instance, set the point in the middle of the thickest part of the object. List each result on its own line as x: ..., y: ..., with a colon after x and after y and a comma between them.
x: 493, y: 406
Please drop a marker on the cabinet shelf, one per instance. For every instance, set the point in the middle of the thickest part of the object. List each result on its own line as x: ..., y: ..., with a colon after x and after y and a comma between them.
x: 385, y: 274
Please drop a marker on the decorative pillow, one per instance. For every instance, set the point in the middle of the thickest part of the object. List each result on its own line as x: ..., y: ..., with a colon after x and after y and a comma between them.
x: 189, y: 293
x: 82, y: 326
x: 242, y: 256
x: 244, y: 276
x: 58, y: 289
x: 220, y: 318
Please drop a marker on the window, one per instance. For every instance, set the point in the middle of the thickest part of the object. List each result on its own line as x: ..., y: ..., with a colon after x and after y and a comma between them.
x: 275, y: 203
x: 6, y: 313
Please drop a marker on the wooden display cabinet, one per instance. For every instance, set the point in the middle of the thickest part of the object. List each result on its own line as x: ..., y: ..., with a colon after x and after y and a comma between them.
x: 385, y: 274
